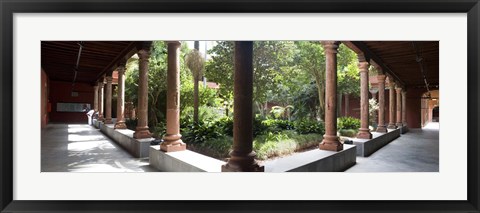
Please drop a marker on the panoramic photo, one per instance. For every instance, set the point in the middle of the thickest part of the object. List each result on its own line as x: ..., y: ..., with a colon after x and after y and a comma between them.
x: 240, y: 106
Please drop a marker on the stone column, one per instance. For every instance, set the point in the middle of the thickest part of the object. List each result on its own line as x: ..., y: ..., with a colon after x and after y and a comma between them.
x: 108, y: 101
x: 142, y: 130
x: 391, y: 119
x: 399, y: 107
x: 100, y: 101
x: 172, y: 138
x: 242, y: 155
x: 364, y: 131
x: 120, y: 124
x: 404, y: 108
x: 95, y: 98
x: 381, y: 104
x: 330, y: 139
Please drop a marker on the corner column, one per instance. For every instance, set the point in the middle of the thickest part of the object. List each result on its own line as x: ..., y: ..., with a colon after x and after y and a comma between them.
x: 120, y: 124
x: 142, y: 130
x: 100, y: 100
x: 330, y: 139
x: 381, y: 102
x: 242, y: 156
x: 399, y: 106
x: 364, y: 131
x: 108, y: 102
x: 404, y: 108
x: 95, y: 98
x: 172, y: 138
x: 391, y: 119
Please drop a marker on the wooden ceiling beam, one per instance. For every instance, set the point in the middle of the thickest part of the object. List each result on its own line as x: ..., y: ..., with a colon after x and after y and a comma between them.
x: 359, y: 46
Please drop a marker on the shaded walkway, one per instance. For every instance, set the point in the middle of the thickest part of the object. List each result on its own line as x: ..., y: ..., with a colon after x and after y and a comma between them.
x: 83, y: 148
x: 415, y: 151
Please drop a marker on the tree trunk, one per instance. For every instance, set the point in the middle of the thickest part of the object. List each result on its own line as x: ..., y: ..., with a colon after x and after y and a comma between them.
x: 321, y: 97
x: 195, y: 101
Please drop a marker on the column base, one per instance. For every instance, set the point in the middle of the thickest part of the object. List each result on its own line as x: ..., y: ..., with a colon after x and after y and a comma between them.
x: 364, y: 134
x: 331, y: 143
x: 391, y: 126
x: 108, y: 121
x: 166, y: 147
x: 253, y: 168
x: 120, y: 125
x: 382, y: 129
x: 142, y: 132
x: 242, y: 162
x: 399, y: 125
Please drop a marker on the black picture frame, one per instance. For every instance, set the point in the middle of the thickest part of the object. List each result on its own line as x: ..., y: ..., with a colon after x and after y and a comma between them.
x: 9, y: 7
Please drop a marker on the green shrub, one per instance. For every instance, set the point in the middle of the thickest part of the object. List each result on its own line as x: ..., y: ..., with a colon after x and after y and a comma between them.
x: 282, y: 143
x: 276, y: 125
x: 258, y: 126
x: 131, y: 123
x: 224, y: 125
x: 306, y: 126
x: 348, y: 123
x: 199, y: 133
x: 348, y: 132
x: 159, y: 130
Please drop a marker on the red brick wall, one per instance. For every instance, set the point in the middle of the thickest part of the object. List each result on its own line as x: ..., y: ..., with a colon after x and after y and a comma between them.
x: 61, y: 92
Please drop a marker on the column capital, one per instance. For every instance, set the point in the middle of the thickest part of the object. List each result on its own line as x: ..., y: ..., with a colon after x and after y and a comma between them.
x: 363, y: 66
x: 174, y: 43
x: 381, y: 78
x: 109, y: 79
x: 330, y: 46
x: 404, y: 92
x: 95, y: 87
x: 100, y: 84
x: 398, y: 89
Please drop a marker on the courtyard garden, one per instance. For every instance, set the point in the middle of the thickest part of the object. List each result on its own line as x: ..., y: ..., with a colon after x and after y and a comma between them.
x: 288, y: 96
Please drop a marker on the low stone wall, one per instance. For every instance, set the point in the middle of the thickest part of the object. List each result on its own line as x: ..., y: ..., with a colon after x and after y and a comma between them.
x: 183, y: 161
x: 367, y: 147
x: 124, y: 137
x: 315, y: 161
x: 403, y: 130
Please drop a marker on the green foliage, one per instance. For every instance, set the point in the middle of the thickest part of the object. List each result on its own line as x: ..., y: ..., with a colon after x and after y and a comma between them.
x: 224, y: 125
x: 348, y: 123
x: 275, y: 125
x: 348, y: 132
x: 306, y: 126
x: 283, y: 143
x: 199, y: 133
x: 131, y: 123
x: 281, y: 112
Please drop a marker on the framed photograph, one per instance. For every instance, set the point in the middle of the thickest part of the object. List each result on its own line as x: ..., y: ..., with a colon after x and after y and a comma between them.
x: 33, y: 180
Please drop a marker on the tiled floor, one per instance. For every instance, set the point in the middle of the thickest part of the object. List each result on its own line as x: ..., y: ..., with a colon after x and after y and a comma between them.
x: 82, y: 148
x: 415, y: 151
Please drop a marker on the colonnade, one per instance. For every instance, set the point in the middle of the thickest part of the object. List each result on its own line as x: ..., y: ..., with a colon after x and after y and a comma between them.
x: 242, y: 155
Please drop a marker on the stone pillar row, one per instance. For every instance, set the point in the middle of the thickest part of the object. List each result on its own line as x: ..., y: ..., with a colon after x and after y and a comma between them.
x: 330, y: 139
x: 100, y: 101
x: 399, y: 107
x: 172, y: 138
x: 381, y: 102
x: 142, y: 130
x: 120, y: 124
x: 242, y: 156
x: 108, y: 101
x: 364, y: 131
x: 391, y: 119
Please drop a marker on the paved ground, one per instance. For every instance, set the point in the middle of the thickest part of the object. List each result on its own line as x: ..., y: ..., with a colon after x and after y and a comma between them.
x: 82, y: 148
x: 415, y: 151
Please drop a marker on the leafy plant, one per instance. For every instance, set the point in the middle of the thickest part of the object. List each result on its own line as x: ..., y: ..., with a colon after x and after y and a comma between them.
x: 348, y: 123
x: 306, y: 126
